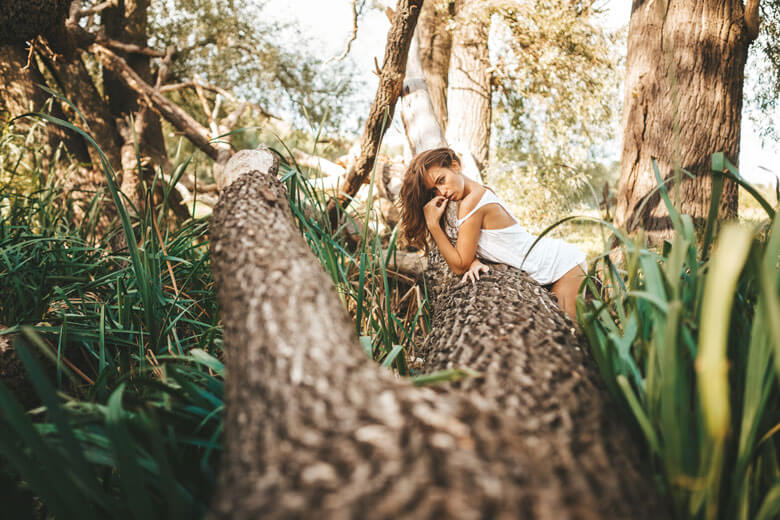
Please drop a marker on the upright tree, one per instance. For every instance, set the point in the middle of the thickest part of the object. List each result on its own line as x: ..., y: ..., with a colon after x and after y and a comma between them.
x: 137, y: 123
x: 469, y: 92
x: 683, y: 102
x: 550, y: 81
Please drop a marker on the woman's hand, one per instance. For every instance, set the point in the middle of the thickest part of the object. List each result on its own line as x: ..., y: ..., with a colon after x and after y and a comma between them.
x: 474, y: 270
x: 434, y: 210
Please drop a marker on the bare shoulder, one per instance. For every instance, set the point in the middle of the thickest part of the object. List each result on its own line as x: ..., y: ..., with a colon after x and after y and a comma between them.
x: 470, y: 202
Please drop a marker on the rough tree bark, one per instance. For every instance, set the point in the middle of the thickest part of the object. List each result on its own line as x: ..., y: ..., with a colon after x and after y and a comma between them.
x: 22, y: 20
x: 313, y: 427
x: 683, y: 102
x: 21, y: 94
x: 470, y: 90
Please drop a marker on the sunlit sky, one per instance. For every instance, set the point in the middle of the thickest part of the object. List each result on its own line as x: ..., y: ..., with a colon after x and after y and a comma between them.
x: 329, y: 24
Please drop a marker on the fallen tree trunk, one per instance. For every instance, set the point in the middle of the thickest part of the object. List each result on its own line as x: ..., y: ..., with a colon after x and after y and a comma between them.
x: 313, y: 427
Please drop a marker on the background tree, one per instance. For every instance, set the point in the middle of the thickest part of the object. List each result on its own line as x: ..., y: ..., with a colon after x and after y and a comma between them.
x: 435, y: 44
x: 98, y: 56
x: 549, y: 74
x: 762, y: 81
x: 683, y: 101
x: 269, y: 63
x: 469, y: 92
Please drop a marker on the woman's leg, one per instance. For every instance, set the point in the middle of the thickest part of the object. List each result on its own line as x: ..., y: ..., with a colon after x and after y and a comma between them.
x: 566, y: 290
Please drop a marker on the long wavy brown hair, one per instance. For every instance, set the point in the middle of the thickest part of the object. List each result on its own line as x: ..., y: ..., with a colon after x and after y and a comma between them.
x: 414, y: 195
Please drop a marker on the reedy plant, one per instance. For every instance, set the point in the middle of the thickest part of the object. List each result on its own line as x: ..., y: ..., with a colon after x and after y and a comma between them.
x: 390, y: 314
x: 131, y: 428
x: 685, y: 339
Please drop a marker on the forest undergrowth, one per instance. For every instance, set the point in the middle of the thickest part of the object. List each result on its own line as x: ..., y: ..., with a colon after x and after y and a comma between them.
x: 122, y: 348
x: 687, y: 340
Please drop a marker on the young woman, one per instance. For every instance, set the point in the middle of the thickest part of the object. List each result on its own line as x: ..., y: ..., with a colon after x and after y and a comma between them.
x: 486, y: 228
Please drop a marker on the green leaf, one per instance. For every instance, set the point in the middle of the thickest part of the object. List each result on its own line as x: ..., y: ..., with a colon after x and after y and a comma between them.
x: 365, y: 342
x: 208, y: 360
x: 443, y: 376
x: 392, y: 355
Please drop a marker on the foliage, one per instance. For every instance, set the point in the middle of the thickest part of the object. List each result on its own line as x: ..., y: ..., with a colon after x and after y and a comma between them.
x: 538, y: 194
x: 390, y: 315
x: 131, y: 427
x: 232, y: 44
x: 557, y: 75
x: 131, y: 423
x: 685, y: 340
x: 763, y: 77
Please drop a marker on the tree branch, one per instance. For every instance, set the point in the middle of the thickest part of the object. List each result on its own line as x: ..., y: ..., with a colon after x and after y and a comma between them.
x: 355, y: 13
x: 165, y: 64
x: 129, y: 48
x: 181, y: 120
x: 199, y: 82
x: 77, y: 12
x: 381, y: 114
x: 228, y: 122
x: 95, y: 9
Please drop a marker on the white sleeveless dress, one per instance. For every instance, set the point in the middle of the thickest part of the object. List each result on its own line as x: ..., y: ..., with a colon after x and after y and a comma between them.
x: 547, y: 262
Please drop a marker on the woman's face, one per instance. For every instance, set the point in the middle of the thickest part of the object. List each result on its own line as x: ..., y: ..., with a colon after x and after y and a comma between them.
x: 446, y: 181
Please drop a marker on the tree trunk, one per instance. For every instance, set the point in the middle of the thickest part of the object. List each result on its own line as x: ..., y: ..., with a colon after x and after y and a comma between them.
x: 683, y: 102
x: 435, y: 42
x: 468, y: 102
x: 21, y: 94
x: 418, y: 115
x: 127, y: 23
x: 313, y: 427
x: 23, y: 20
x: 64, y: 65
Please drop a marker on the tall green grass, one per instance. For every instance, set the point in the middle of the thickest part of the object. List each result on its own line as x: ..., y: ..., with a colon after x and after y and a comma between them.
x: 130, y: 423
x: 123, y: 348
x: 390, y: 312
x: 688, y: 339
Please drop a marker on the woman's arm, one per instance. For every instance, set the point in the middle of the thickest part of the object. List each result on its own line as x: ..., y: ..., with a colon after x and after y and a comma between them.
x: 459, y: 258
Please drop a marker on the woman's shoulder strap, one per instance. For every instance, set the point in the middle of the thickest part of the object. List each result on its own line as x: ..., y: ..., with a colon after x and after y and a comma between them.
x: 486, y: 198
